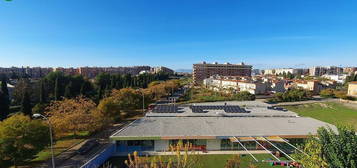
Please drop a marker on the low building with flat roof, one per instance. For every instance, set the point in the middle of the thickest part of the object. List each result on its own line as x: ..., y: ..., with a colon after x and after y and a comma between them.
x: 215, y: 127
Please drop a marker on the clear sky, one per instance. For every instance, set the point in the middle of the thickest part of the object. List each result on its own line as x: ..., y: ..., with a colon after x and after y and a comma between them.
x: 177, y: 33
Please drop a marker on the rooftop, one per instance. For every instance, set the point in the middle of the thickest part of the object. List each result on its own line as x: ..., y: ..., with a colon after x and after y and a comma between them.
x: 218, y: 127
x: 255, y: 120
x: 253, y: 108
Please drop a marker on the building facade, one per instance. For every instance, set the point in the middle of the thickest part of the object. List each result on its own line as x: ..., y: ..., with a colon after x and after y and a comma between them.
x: 319, y: 71
x: 162, y: 69
x: 352, y: 89
x: 205, y: 70
x: 214, y: 127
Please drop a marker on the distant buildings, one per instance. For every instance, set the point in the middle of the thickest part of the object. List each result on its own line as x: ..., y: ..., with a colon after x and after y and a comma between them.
x: 319, y: 71
x: 162, y: 69
x: 350, y: 70
x: 88, y: 72
x: 352, y: 89
x: 280, y: 71
x: 339, y: 78
x: 236, y: 84
x: 91, y: 72
x: 34, y: 72
x: 205, y: 70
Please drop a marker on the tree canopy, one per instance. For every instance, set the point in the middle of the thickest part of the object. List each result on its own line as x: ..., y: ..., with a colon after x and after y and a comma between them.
x: 21, y: 138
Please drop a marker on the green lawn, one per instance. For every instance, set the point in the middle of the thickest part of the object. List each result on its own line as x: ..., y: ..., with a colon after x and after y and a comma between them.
x: 217, y: 161
x: 331, y: 112
x: 61, y: 145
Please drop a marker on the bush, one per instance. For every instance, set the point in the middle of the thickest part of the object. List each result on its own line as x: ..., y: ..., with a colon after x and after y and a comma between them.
x: 327, y: 93
x: 244, y: 96
x: 291, y: 95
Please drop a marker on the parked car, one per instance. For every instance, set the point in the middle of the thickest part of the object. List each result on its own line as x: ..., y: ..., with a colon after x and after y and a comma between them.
x: 87, y: 146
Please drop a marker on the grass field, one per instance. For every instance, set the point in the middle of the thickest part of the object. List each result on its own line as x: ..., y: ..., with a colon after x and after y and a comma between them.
x: 61, y: 145
x: 330, y: 112
x: 216, y: 161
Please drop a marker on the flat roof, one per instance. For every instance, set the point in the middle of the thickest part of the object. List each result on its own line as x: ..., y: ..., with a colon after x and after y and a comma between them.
x: 216, y: 124
x: 218, y: 127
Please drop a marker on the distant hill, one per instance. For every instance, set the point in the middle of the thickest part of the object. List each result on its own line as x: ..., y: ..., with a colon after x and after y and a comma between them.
x: 184, y: 70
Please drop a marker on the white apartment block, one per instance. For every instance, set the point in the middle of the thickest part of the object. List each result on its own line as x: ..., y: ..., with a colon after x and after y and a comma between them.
x: 235, y: 85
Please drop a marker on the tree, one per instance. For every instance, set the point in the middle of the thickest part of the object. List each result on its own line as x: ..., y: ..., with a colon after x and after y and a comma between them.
x: 23, y: 85
x: 313, y: 159
x: 4, y: 106
x: 4, y: 88
x: 26, y: 104
x: 127, y: 98
x: 339, y: 150
x: 109, y: 109
x: 43, y: 97
x: 4, y: 99
x: 68, y: 90
x: 57, y: 93
x: 331, y: 149
x: 73, y: 115
x: 21, y: 138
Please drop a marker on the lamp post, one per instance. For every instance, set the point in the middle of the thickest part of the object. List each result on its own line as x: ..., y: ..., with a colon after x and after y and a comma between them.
x: 51, y: 138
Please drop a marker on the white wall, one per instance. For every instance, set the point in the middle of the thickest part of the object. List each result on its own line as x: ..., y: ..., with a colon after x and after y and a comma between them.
x: 213, y: 144
x: 161, y: 145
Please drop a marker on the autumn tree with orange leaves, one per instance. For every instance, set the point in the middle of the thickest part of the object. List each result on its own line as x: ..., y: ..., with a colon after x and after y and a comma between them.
x: 73, y: 115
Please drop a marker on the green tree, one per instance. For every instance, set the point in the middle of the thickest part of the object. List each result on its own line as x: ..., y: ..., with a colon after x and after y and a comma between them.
x: 109, y: 109
x: 4, y: 88
x: 339, y: 149
x: 68, y: 90
x: 43, y: 95
x: 4, y: 106
x: 21, y: 139
x: 314, y: 157
x: 4, y: 99
x: 331, y: 149
x: 26, y: 104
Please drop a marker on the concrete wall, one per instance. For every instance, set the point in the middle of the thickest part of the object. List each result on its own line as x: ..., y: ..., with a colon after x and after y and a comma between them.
x: 213, y: 144
x: 161, y: 145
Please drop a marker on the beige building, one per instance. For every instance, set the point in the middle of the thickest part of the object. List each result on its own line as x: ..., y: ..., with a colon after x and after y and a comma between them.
x: 205, y: 70
x: 230, y: 85
x: 352, y: 89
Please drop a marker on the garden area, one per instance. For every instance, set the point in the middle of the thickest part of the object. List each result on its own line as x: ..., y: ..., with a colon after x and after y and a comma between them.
x: 331, y: 112
x: 215, y: 161
x: 197, y: 95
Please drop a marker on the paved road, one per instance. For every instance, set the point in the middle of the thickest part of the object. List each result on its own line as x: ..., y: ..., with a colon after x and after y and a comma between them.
x: 70, y: 159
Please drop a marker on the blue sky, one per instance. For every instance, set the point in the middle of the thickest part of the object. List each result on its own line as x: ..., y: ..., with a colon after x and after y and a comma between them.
x: 177, y: 33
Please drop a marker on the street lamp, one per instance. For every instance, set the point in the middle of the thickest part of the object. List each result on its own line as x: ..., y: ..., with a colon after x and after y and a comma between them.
x: 50, y: 126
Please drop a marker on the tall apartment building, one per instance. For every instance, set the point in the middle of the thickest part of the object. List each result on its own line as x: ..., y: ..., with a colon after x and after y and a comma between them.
x: 91, y: 72
x: 205, y: 70
x: 319, y: 71
x: 32, y: 72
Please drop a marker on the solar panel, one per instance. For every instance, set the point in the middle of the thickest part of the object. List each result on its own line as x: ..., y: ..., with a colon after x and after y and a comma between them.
x: 166, y: 109
x: 225, y: 108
